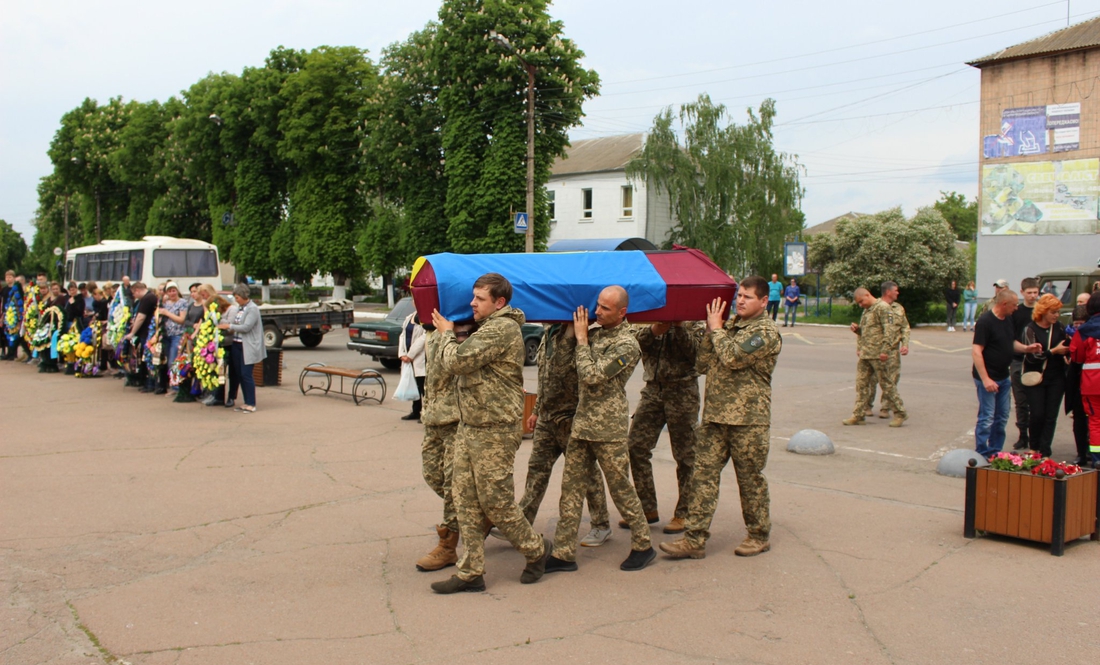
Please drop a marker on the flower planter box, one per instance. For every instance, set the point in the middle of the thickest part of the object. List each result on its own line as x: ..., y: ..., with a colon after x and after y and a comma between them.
x: 1032, y: 507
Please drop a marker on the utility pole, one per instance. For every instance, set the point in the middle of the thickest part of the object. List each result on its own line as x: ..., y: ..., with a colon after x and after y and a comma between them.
x: 529, y: 237
x: 66, y: 222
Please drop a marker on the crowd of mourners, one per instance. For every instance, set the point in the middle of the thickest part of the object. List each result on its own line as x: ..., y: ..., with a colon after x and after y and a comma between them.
x: 195, y: 347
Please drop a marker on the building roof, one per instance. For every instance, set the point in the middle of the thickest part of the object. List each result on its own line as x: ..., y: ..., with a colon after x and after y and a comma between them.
x: 600, y: 244
x: 1076, y: 37
x: 609, y: 153
x: 830, y: 225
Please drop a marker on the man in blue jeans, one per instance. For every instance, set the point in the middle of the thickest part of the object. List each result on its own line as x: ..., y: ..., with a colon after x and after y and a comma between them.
x: 775, y: 294
x: 994, y: 345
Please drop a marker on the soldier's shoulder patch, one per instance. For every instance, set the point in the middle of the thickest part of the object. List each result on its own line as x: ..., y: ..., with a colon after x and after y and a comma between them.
x: 615, y: 366
x: 753, y: 343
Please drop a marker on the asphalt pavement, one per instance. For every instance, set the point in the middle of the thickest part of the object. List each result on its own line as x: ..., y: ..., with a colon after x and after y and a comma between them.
x: 137, y: 530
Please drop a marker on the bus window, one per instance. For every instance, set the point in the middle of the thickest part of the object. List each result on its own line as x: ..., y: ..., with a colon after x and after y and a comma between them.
x: 1059, y: 288
x: 185, y: 263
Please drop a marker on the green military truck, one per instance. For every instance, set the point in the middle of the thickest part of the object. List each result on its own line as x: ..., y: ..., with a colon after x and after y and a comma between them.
x: 1066, y: 283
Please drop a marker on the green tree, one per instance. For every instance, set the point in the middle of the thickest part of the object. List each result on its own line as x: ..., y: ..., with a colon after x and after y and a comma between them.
x: 323, y: 131
x: 919, y: 254
x: 482, y: 100
x: 733, y: 196
x: 961, y: 214
x: 12, y: 247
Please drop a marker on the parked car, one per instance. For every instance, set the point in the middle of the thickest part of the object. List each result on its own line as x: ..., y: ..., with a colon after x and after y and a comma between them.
x: 378, y: 339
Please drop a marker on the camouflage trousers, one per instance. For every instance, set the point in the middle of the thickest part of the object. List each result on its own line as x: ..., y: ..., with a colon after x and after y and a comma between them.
x: 870, y: 374
x: 615, y: 462
x: 438, y: 455
x: 747, y: 446
x: 676, y: 404
x: 484, y: 489
x: 550, y: 441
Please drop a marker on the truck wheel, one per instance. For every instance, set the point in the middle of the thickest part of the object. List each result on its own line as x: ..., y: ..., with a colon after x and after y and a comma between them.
x: 390, y: 363
x: 310, y: 338
x: 531, y: 352
x: 273, y: 337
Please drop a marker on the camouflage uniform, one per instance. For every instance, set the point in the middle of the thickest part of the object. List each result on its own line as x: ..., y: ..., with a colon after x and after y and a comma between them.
x: 897, y: 335
x: 555, y: 406
x: 871, y: 344
x: 670, y: 395
x: 489, y: 367
x: 599, y: 431
x: 738, y: 360
x: 440, y: 417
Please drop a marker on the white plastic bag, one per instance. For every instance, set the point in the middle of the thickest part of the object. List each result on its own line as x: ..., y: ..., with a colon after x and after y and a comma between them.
x: 406, y: 388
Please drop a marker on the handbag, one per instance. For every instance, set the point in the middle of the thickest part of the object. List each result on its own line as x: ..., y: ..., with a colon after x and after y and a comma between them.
x: 406, y: 388
x: 1032, y: 379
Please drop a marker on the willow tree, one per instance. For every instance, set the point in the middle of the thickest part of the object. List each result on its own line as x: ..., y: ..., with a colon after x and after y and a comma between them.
x: 483, y: 101
x: 730, y: 192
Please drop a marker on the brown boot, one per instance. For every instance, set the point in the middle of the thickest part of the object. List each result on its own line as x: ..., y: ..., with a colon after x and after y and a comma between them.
x: 751, y: 547
x: 854, y: 420
x: 681, y: 549
x: 883, y: 413
x: 444, y: 553
x: 899, y: 418
x: 650, y: 517
x: 869, y: 412
x: 676, y: 525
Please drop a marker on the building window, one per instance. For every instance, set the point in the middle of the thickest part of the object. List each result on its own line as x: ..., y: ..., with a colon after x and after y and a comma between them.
x: 628, y: 201
x: 550, y: 203
x: 586, y: 203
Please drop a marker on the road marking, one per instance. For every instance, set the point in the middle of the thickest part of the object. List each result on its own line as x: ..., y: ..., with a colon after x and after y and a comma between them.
x: 799, y: 336
x: 879, y: 452
x: 936, y: 348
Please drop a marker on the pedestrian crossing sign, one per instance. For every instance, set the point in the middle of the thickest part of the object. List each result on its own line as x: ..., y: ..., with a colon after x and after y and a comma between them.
x: 521, y: 222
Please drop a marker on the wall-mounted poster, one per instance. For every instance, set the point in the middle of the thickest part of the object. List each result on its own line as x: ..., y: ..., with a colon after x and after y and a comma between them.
x: 1034, y: 130
x: 794, y: 259
x: 1041, y: 198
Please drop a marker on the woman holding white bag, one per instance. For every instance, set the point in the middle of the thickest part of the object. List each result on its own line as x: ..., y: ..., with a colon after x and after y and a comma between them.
x: 410, y: 349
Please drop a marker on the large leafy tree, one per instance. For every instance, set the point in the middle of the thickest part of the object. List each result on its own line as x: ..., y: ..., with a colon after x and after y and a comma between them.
x: 961, y: 214
x: 482, y: 100
x: 12, y: 247
x: 322, y: 134
x: 919, y: 254
x: 732, y: 195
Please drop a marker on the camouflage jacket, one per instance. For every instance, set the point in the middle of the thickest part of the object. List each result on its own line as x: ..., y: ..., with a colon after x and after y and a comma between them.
x: 489, y: 367
x: 557, y: 396
x: 670, y: 357
x: 872, y: 331
x: 603, y: 367
x: 440, y: 397
x: 738, y: 360
x: 897, y: 327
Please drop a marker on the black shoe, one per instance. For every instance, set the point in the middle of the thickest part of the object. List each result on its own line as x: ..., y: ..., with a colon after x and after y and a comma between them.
x: 1021, y: 444
x: 411, y: 416
x: 145, y: 389
x: 160, y: 391
x: 638, y: 560
x: 556, y: 565
x: 533, y: 571
x: 456, y: 584
x: 229, y: 403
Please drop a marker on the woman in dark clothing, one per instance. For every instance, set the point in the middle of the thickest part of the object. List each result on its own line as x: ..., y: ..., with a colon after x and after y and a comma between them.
x: 952, y: 295
x: 1045, y: 398
x: 74, y: 309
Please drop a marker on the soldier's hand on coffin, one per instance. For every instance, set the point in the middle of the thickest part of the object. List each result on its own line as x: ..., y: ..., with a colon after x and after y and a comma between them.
x: 580, y: 325
x: 441, y: 323
x: 714, y: 314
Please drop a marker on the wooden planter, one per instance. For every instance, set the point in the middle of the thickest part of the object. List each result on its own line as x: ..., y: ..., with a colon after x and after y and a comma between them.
x: 1038, y: 508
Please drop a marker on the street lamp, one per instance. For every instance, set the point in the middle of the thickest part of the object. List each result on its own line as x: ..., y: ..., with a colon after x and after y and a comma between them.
x: 529, y: 239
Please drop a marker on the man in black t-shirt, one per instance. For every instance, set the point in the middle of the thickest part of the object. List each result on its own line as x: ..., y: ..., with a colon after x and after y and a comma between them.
x: 145, y: 306
x: 1029, y: 291
x: 995, y: 344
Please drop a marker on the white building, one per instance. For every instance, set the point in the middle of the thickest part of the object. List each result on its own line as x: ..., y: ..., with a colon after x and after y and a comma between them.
x: 590, y: 196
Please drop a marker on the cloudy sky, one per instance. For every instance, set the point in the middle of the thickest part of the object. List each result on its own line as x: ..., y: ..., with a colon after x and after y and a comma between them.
x: 874, y: 97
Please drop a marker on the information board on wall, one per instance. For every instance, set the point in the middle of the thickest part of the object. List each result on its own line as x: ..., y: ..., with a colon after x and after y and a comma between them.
x: 1041, y: 198
x: 1035, y: 130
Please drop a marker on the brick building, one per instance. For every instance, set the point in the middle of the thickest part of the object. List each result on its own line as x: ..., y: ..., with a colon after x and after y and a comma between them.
x: 1039, y: 170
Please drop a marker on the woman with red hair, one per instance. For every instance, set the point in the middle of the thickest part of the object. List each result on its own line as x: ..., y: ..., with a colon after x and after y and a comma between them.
x: 1046, y: 370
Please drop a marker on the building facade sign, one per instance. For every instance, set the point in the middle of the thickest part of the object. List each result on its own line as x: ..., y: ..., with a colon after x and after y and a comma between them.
x: 1041, y: 198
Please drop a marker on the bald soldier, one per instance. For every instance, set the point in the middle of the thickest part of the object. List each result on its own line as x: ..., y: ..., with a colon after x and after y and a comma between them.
x: 738, y: 359
x: 872, y: 349
x: 606, y: 357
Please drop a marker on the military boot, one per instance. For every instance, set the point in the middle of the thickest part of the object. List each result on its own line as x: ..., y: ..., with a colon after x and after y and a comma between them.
x: 899, y: 418
x: 682, y: 549
x: 444, y: 553
x: 456, y: 584
x: 884, y: 413
x: 675, y: 526
x: 751, y: 547
x: 854, y: 420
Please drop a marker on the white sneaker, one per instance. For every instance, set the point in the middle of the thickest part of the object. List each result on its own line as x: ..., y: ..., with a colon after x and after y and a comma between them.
x: 950, y: 330
x: 596, y: 537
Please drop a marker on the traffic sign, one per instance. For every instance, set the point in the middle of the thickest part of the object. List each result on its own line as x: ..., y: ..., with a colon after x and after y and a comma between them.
x: 521, y: 222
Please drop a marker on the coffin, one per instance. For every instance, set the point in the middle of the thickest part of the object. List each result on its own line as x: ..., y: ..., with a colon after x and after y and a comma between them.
x: 671, y: 285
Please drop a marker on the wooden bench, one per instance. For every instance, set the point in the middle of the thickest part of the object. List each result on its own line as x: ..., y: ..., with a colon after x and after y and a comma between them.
x: 367, y: 384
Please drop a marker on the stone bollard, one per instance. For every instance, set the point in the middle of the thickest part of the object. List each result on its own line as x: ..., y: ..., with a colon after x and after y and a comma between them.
x: 810, y: 442
x: 954, y: 462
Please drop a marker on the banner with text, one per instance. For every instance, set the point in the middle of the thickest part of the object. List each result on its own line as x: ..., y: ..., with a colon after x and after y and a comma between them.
x: 1035, y: 130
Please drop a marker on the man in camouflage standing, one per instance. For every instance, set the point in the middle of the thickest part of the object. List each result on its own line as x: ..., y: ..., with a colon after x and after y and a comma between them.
x: 872, y: 350
x: 670, y: 395
x: 738, y: 358
x: 552, y: 420
x: 489, y: 367
x: 604, y: 364
x: 897, y: 341
x: 440, y: 417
